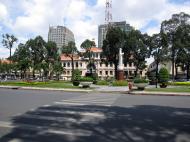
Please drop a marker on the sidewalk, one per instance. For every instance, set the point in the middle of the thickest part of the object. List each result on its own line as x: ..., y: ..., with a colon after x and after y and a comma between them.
x: 125, y: 90
x: 102, y: 89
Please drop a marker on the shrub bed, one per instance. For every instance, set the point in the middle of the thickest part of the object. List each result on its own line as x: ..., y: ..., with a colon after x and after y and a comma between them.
x: 120, y: 83
x: 139, y: 80
x: 86, y: 79
x: 179, y: 83
x: 102, y: 82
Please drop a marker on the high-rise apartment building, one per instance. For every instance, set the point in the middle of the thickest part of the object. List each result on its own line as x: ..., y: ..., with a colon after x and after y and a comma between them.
x: 102, y: 30
x: 61, y: 35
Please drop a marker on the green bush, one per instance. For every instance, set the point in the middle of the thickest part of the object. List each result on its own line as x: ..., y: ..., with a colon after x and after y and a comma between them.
x: 95, y: 78
x: 102, y: 82
x: 180, y: 83
x: 120, y: 83
x: 87, y: 79
x: 76, y: 75
x: 163, y: 75
x: 140, y: 80
x: 76, y: 83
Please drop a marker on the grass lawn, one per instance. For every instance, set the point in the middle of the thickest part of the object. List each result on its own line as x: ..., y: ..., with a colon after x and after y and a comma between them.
x: 50, y: 84
x: 174, y: 89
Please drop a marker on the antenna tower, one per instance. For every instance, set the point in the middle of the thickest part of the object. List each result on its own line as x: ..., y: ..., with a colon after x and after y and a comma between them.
x: 108, y: 12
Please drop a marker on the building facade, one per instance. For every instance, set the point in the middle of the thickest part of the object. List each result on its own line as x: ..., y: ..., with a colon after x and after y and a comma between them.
x: 178, y: 72
x: 61, y: 35
x: 102, y: 30
x: 104, y: 71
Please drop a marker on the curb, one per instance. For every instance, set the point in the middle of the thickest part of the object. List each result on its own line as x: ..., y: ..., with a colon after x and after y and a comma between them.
x: 160, y: 93
x: 47, y: 89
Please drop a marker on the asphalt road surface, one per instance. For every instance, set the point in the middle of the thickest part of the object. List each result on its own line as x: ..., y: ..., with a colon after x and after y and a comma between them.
x: 55, y: 116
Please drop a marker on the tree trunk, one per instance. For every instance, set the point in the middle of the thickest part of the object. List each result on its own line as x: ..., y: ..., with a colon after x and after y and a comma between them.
x: 57, y: 74
x: 188, y: 67
x: 10, y: 55
x: 90, y: 63
x: 176, y: 71
x: 10, y: 61
x: 173, y: 63
x: 136, y: 72
x: 24, y: 74
x: 157, y: 63
x: 41, y: 75
x: 72, y: 62
x: 115, y: 68
x: 21, y: 74
x: 33, y: 73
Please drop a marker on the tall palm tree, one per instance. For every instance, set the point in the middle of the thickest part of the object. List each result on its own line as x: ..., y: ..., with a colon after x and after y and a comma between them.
x: 87, y: 45
x: 8, y: 41
x: 70, y: 51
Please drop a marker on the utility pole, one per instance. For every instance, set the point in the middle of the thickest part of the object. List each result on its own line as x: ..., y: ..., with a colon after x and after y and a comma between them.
x: 108, y: 13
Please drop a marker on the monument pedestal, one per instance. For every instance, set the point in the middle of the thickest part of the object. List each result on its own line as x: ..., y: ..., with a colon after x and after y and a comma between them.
x: 120, y: 75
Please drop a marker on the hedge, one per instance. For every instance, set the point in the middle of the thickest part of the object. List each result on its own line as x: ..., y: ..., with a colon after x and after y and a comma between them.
x: 120, y: 83
x: 102, y: 82
x: 179, y: 83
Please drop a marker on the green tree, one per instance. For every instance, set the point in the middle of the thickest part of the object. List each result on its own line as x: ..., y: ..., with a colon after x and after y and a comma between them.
x: 22, y: 57
x: 76, y: 77
x: 8, y: 41
x: 5, y: 67
x: 87, y: 45
x: 51, y: 57
x: 114, y: 40
x: 137, y: 47
x: 182, y: 41
x: 159, y: 50
x: 163, y: 77
x: 58, y: 69
x: 70, y: 51
x: 169, y: 27
x: 37, y: 52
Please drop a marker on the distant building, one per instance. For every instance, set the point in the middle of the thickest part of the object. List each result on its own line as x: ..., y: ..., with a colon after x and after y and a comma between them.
x: 104, y: 71
x: 5, y: 61
x: 61, y: 35
x: 178, y: 72
x: 102, y: 30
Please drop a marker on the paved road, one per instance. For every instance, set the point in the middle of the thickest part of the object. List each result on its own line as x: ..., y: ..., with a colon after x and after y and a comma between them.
x: 79, y: 117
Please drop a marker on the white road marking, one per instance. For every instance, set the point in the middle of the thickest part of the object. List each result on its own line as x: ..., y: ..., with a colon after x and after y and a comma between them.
x: 46, y: 105
x: 70, y: 132
x: 68, y: 103
x: 6, y: 124
x: 83, y: 104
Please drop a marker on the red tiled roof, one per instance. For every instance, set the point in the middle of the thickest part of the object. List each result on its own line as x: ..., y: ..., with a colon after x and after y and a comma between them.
x: 5, y: 61
x: 94, y: 49
x: 67, y: 58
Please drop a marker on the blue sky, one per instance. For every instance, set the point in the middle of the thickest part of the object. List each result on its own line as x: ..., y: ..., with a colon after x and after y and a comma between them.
x: 29, y: 18
x: 91, y: 2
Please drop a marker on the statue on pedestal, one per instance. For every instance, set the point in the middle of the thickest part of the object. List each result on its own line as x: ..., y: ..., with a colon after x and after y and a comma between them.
x: 120, y: 68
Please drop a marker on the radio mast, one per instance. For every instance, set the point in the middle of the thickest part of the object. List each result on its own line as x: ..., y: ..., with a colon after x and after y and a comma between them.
x: 108, y: 12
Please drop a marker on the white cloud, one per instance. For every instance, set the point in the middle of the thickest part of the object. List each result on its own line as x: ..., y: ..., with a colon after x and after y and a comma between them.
x: 4, y: 52
x: 153, y: 30
x: 37, y: 15
x: 3, y: 12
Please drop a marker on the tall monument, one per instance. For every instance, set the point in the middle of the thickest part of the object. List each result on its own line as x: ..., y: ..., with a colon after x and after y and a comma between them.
x: 120, y: 68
